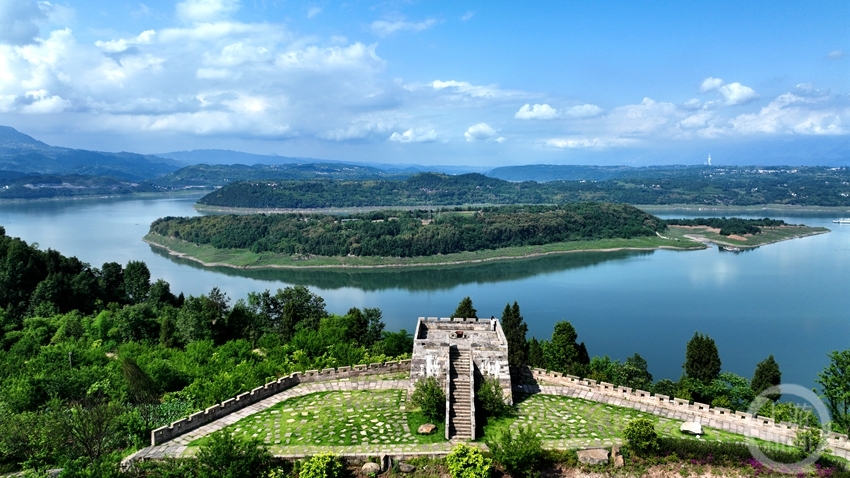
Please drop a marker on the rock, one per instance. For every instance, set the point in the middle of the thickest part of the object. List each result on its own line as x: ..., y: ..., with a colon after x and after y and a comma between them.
x: 594, y: 456
x: 619, y: 461
x: 691, y: 428
x: 426, y: 429
x: 406, y: 468
x: 370, y: 469
x: 615, y: 450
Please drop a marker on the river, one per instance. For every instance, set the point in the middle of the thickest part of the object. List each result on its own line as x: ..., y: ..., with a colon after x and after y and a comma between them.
x: 790, y: 299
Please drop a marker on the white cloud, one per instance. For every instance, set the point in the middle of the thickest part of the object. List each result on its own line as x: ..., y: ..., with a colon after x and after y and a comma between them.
x: 466, y: 16
x: 582, y: 143
x: 584, y: 111
x: 41, y: 103
x: 384, y: 28
x: 121, y: 44
x: 412, y: 136
x: 334, y: 57
x: 205, y: 11
x: 790, y: 113
x: 710, y: 84
x: 482, y: 132
x: 736, y: 93
x: 835, y: 55
x: 19, y: 21
x: 468, y: 89
x: 313, y: 12
x: 543, y: 112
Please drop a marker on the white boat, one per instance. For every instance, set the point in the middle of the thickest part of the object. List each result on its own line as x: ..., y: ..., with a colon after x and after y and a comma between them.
x: 845, y: 220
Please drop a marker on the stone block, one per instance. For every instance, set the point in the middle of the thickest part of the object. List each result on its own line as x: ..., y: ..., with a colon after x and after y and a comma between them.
x: 691, y: 428
x: 593, y: 456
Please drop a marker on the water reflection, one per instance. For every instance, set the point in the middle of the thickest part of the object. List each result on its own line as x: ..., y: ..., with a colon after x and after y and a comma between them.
x: 422, y: 279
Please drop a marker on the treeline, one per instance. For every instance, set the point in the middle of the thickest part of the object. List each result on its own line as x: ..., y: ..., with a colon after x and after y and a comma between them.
x: 709, y: 186
x: 92, y: 360
x: 411, y: 233
x: 732, y: 225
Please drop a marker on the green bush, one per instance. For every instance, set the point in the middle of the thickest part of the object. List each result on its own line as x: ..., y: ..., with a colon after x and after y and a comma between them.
x: 517, y: 454
x: 468, y: 462
x: 324, y: 465
x: 430, y: 397
x: 641, y: 436
x: 225, y: 456
x: 491, y: 399
x: 808, y: 440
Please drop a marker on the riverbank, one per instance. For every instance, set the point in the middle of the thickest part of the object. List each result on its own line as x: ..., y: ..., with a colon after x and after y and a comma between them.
x: 184, y: 193
x: 768, y: 235
x: 209, y: 256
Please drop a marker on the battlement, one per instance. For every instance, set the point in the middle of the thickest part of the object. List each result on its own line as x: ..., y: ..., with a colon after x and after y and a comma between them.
x: 213, y: 413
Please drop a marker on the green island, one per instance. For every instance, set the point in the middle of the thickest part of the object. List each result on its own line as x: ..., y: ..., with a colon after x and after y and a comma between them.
x: 421, y: 238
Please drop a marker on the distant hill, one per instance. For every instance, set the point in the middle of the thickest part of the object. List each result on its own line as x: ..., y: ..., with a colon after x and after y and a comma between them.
x: 24, y: 154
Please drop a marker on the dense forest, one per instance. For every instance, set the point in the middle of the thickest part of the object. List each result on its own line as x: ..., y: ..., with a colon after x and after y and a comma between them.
x: 412, y: 233
x: 805, y: 186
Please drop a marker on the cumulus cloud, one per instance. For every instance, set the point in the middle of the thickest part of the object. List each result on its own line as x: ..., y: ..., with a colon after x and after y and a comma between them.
x: 710, y: 84
x: 581, y: 143
x: 790, y: 113
x: 736, y: 93
x: 584, y: 111
x: 467, y: 89
x: 19, y: 21
x: 205, y: 11
x: 384, y: 28
x: 543, y: 112
x: 482, y: 132
x: 412, y: 136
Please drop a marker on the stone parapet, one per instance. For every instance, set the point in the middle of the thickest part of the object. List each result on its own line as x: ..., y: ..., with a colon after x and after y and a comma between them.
x: 196, y: 420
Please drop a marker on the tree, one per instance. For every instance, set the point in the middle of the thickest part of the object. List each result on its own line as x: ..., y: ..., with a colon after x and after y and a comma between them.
x: 430, y: 397
x: 465, y: 309
x: 834, y: 383
x: 767, y: 375
x: 641, y: 435
x: 515, y: 329
x: 635, y: 373
x: 518, y: 454
x: 561, y: 354
x: 111, y: 282
x: 141, y: 389
x: 93, y: 426
x: 702, y: 361
x: 289, y: 310
x: 535, y: 353
x: 225, y: 456
x: 137, y: 281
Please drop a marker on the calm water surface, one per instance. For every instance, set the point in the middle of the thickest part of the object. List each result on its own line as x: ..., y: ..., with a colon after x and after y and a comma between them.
x: 790, y: 299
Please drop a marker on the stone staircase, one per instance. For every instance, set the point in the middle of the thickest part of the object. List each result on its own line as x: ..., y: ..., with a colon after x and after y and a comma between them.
x: 460, y: 424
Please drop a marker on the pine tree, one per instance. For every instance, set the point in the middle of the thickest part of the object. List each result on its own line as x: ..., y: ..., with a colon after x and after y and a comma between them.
x: 767, y: 375
x: 535, y: 353
x: 465, y: 309
x: 702, y: 361
x: 515, y: 329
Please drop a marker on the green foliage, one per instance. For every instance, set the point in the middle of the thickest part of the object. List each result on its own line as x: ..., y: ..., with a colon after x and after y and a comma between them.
x: 519, y: 454
x: 562, y: 353
x: 535, y: 353
x: 515, y: 329
x: 809, y: 440
x: 465, y: 309
x: 835, y: 388
x: 733, y: 225
x: 430, y: 397
x: 224, y: 456
x: 767, y: 375
x: 641, y: 435
x: 140, y: 388
x: 137, y: 281
x: 410, y: 233
x: 466, y: 461
x: 802, y: 416
x: 491, y: 399
x: 324, y: 465
x: 702, y: 361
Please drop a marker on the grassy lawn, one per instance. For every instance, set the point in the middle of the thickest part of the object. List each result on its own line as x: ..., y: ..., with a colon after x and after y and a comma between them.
x: 767, y: 236
x: 244, y: 258
x: 333, y: 419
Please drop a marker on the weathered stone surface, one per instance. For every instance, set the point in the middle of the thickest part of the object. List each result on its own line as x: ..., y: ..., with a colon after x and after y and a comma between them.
x: 594, y: 456
x: 406, y: 468
x: 691, y: 428
x: 426, y: 429
x: 619, y: 461
x: 370, y: 469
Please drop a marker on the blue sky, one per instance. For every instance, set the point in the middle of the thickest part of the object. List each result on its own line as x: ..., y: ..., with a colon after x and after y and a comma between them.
x: 475, y: 83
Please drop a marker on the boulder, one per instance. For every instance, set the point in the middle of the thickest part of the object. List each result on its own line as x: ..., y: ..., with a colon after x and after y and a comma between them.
x: 370, y: 469
x: 426, y: 429
x: 691, y: 428
x: 593, y: 456
x: 406, y: 468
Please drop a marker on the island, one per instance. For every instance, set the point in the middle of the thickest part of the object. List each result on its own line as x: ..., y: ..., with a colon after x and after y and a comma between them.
x: 448, y: 236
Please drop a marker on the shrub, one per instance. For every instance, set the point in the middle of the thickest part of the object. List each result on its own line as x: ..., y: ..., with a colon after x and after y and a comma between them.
x: 468, y: 462
x: 430, y: 397
x: 491, y: 398
x: 517, y: 454
x: 641, y: 435
x: 225, y: 456
x: 323, y: 465
x: 808, y: 440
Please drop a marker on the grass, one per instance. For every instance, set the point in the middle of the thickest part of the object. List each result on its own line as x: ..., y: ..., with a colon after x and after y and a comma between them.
x: 415, y: 418
x: 347, y: 418
x: 768, y: 235
x: 243, y: 258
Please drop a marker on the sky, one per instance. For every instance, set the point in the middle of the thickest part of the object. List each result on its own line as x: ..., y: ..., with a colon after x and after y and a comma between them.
x: 434, y: 82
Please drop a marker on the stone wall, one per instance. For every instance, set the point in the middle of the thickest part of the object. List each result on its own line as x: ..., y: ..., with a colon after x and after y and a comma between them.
x: 715, y: 417
x: 213, y: 413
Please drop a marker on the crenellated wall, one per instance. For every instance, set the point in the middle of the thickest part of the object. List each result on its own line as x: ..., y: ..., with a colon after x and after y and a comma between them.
x: 213, y: 413
x: 714, y: 417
